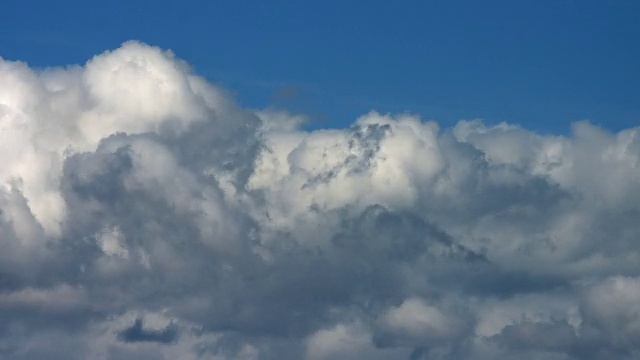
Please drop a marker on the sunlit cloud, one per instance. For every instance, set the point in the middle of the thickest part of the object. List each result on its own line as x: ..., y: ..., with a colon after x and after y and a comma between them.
x: 144, y: 214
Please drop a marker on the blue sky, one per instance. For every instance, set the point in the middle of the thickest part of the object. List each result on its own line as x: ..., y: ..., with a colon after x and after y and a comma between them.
x: 541, y: 64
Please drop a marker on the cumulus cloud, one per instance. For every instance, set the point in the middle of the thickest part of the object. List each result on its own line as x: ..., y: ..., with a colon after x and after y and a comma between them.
x: 144, y: 215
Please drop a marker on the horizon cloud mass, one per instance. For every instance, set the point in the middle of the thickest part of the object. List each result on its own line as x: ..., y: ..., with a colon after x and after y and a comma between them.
x: 145, y: 215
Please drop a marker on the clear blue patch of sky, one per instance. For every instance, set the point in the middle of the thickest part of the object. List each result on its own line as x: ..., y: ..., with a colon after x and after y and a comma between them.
x: 540, y: 64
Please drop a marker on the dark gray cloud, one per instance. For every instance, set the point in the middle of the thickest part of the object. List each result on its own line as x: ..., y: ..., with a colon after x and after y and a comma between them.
x: 137, y: 333
x: 143, y: 214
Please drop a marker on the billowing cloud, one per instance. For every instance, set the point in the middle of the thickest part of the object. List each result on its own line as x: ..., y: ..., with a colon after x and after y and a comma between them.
x: 144, y: 215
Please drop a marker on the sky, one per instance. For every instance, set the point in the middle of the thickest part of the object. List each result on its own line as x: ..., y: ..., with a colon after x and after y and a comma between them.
x: 277, y: 181
x: 540, y: 64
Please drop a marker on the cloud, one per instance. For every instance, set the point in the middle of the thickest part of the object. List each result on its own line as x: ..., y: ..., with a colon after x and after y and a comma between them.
x: 143, y: 214
x: 137, y: 333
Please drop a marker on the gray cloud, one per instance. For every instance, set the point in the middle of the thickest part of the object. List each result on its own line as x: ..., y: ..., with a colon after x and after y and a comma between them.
x: 143, y: 214
x: 137, y: 333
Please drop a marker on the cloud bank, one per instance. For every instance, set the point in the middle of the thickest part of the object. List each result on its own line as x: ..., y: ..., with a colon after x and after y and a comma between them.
x: 145, y: 215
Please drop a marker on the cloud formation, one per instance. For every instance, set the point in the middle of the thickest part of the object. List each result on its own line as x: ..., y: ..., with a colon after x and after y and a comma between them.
x: 144, y: 215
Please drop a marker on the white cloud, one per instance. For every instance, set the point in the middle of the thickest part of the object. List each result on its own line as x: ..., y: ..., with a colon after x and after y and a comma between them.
x: 414, y: 323
x: 144, y: 214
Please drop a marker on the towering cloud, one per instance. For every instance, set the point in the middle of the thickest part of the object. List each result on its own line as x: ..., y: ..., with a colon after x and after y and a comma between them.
x: 144, y: 215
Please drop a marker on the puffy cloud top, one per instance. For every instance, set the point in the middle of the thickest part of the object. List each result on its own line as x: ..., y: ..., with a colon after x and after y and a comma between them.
x: 143, y: 214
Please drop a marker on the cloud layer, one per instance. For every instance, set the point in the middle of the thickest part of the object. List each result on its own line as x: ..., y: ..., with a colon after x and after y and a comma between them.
x: 144, y: 215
